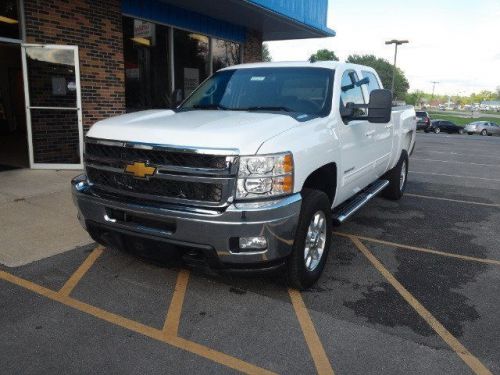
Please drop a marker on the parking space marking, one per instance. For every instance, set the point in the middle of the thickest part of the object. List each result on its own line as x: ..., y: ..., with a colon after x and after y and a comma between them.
x: 456, y: 176
x: 316, y: 349
x: 475, y: 365
x: 171, y: 326
x: 137, y: 327
x: 421, y: 249
x: 452, y: 200
x: 458, y: 162
x: 81, y: 271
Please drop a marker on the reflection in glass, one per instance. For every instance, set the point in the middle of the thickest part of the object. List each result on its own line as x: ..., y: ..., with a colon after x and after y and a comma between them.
x: 9, y: 19
x: 191, y: 52
x: 225, y: 53
x: 51, y: 77
x: 147, y: 78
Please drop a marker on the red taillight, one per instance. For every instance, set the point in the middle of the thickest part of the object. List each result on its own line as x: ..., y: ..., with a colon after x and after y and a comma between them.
x: 427, y: 120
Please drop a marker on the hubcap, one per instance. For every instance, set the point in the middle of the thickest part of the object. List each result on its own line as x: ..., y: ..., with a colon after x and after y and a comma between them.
x: 315, y: 241
x: 402, y: 177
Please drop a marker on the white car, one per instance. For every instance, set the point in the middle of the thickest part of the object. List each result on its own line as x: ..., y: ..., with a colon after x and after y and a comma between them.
x: 252, y: 169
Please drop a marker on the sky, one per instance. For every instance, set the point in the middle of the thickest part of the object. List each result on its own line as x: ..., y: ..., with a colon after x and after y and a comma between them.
x: 454, y: 42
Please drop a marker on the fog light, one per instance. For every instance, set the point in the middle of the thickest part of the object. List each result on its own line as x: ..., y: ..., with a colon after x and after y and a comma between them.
x: 255, y: 243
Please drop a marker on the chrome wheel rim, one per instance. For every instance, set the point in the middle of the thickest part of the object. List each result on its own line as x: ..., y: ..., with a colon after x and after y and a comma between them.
x: 315, y: 241
x: 437, y: 130
x: 402, y: 177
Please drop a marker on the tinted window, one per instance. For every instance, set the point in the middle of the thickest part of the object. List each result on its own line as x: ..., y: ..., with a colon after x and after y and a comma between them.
x: 421, y: 114
x: 299, y: 90
x: 373, y: 84
x: 350, y: 92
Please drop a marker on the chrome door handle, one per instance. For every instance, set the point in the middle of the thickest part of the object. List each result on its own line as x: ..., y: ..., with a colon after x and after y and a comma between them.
x: 370, y: 133
x: 388, y: 126
x: 109, y: 219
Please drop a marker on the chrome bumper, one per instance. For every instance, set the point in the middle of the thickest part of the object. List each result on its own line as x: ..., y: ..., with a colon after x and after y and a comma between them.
x: 210, y: 231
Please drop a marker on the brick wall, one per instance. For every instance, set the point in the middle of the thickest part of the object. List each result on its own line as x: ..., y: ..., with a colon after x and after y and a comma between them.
x: 252, y: 50
x: 95, y: 26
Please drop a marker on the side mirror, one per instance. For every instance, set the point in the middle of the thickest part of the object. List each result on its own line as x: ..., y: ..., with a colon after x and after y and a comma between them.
x: 380, y: 106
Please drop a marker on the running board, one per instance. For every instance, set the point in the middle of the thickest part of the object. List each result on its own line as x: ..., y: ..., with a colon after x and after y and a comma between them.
x: 349, y: 207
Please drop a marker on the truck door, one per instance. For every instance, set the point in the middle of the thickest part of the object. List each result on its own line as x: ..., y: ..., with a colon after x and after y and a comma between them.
x: 357, y: 139
x: 384, y: 133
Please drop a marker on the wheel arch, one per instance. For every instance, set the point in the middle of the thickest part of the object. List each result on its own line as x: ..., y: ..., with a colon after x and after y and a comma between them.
x: 323, y: 179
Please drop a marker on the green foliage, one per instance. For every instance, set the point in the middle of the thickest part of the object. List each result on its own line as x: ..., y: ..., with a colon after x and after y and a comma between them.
x: 323, y: 55
x: 266, y: 54
x: 384, y: 69
x: 415, y: 98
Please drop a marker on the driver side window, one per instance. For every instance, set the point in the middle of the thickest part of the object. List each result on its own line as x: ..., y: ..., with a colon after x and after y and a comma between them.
x: 352, y: 93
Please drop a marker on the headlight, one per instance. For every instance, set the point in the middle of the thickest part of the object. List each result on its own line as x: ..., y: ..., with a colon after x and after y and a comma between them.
x: 265, y: 176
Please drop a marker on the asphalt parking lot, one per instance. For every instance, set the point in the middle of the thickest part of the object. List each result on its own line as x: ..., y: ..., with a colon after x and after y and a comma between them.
x: 410, y: 287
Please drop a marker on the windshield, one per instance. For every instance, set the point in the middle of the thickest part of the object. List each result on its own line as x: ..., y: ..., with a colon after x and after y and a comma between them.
x: 422, y: 114
x: 288, y: 90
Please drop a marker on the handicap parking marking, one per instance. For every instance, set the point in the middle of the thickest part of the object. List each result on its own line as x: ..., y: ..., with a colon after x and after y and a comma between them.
x: 420, y: 249
x: 452, y: 200
x: 474, y: 363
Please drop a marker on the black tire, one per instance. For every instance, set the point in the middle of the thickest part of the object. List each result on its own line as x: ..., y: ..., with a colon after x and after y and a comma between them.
x: 437, y: 130
x: 484, y: 132
x: 426, y: 131
x: 470, y: 133
x: 299, y: 277
x: 394, y: 191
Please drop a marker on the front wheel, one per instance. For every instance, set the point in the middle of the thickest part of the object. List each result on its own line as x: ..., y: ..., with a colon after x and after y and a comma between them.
x: 437, y: 131
x: 397, y: 177
x: 312, y: 240
x: 484, y: 132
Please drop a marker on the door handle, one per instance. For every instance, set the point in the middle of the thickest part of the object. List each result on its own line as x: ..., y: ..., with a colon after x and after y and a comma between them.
x: 370, y: 133
x: 109, y: 219
x: 388, y: 126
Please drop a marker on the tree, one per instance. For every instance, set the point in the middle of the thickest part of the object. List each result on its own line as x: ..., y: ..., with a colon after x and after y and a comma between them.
x: 498, y: 92
x: 384, y: 69
x: 415, y: 98
x: 266, y: 54
x: 323, y: 55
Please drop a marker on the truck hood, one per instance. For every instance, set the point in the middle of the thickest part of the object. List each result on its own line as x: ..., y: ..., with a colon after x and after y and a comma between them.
x: 245, y: 131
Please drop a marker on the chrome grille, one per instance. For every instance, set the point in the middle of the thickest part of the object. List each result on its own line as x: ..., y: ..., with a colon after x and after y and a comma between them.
x: 185, y: 176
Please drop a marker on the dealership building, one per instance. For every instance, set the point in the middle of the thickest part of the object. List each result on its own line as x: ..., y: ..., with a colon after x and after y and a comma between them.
x: 65, y: 64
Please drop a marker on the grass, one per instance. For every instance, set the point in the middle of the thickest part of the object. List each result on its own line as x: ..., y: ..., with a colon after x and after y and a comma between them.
x: 462, y: 121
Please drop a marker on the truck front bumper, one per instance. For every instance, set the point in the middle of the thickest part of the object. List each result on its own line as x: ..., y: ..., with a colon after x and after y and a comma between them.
x: 214, y: 233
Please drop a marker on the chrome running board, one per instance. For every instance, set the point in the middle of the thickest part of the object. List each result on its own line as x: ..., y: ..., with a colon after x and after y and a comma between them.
x: 349, y: 207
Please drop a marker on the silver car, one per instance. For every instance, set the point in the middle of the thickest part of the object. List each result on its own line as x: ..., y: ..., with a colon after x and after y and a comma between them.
x: 483, y: 128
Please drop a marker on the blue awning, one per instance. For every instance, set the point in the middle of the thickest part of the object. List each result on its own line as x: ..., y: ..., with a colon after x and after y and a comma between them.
x: 229, y: 19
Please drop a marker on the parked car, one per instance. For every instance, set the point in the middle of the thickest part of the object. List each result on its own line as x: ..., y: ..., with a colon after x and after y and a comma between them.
x: 483, y: 128
x: 423, y: 120
x: 249, y: 171
x: 438, y: 126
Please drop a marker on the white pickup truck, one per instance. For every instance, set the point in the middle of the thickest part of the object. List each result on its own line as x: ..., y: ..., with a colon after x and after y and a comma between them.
x: 252, y: 169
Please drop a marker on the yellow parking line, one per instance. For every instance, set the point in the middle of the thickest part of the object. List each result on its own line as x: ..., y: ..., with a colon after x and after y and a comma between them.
x: 421, y: 249
x: 453, y: 200
x: 81, y: 271
x: 171, y: 326
x: 137, y: 327
x: 475, y: 365
x: 316, y: 349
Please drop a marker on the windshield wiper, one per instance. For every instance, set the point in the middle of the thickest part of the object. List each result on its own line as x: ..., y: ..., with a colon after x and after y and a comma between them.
x: 264, y: 108
x: 210, y: 106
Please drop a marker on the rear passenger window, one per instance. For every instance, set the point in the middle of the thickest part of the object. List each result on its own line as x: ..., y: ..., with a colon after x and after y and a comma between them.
x: 373, y: 84
x: 351, y: 93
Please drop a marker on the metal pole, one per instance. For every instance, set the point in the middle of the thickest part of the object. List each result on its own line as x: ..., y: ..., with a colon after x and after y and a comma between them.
x: 394, y: 67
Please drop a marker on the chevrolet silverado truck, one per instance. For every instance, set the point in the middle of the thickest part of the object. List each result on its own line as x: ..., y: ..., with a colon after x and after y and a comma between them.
x: 251, y: 170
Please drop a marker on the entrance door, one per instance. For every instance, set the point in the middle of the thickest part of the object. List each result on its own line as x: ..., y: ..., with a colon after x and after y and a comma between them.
x: 53, y: 106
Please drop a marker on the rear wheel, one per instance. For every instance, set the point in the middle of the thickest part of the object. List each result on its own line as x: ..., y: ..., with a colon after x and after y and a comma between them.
x: 484, y: 132
x: 470, y: 133
x: 397, y: 177
x: 437, y: 130
x: 312, y: 240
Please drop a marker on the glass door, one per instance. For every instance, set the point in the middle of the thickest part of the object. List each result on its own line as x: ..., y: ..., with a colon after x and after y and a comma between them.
x: 53, y: 106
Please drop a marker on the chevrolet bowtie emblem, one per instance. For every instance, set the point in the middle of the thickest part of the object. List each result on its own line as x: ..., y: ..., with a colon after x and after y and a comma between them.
x: 140, y: 170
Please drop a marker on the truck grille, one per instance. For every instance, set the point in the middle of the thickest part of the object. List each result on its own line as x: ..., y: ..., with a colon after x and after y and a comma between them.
x: 185, y: 177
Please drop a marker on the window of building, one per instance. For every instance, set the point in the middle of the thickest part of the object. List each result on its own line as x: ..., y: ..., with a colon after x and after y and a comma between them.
x: 147, y: 76
x: 10, y: 23
x: 373, y: 84
x: 225, y: 53
x: 191, y: 61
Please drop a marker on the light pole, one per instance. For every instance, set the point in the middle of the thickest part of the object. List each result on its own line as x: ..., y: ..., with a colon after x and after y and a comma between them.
x: 396, y: 43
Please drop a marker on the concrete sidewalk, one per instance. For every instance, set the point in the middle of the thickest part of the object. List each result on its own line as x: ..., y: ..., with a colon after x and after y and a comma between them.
x: 37, y: 216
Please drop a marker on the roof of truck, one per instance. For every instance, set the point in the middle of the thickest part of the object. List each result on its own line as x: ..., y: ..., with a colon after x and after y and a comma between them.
x: 299, y: 64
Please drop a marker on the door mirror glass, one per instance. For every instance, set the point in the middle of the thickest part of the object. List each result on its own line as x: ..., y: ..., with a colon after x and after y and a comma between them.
x: 380, y: 106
